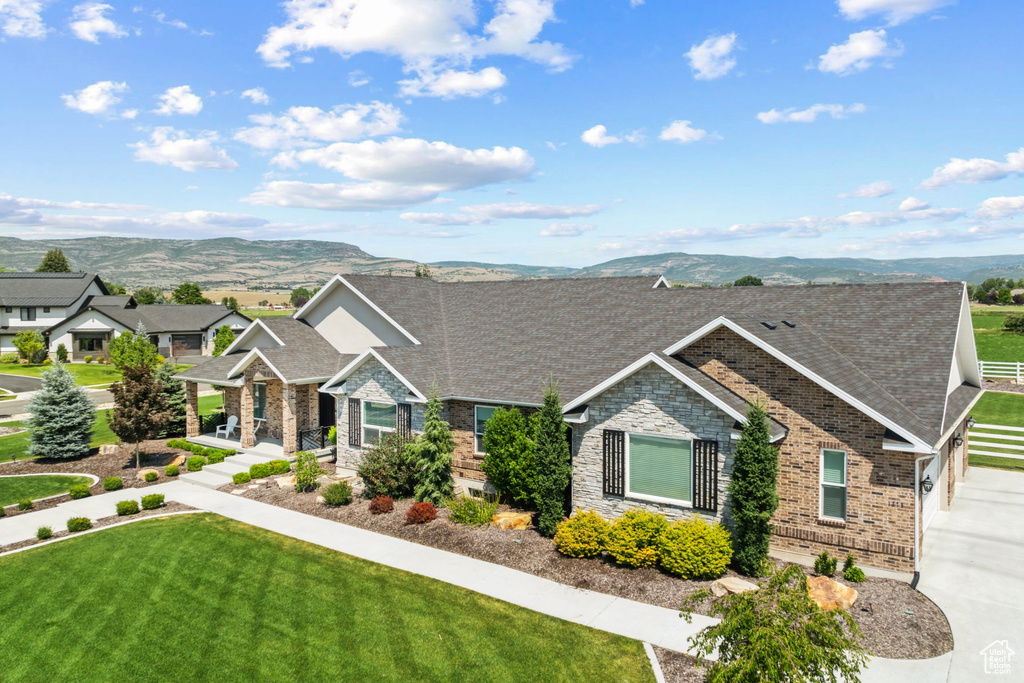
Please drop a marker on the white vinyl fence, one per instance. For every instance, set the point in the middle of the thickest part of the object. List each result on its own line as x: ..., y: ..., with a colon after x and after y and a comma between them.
x: 1001, y: 370
x: 998, y: 440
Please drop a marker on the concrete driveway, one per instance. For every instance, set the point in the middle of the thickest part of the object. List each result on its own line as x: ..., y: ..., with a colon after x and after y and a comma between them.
x: 19, y: 383
x: 973, y: 568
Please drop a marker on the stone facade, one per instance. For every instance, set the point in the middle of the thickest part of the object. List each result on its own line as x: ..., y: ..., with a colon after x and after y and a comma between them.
x: 654, y: 403
x: 371, y: 381
x: 879, y: 528
x: 191, y: 409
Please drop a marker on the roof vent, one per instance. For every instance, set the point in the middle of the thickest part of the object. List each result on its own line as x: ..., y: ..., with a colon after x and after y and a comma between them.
x: 788, y: 324
x: 770, y: 326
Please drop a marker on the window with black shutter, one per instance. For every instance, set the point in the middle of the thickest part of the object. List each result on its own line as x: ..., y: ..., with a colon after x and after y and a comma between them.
x: 614, y: 447
x: 405, y: 420
x: 355, y: 423
x: 705, y: 475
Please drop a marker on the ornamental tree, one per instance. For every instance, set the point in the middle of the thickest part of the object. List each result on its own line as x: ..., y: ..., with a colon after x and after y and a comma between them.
x: 29, y: 343
x: 62, y: 417
x: 132, y: 348
x: 225, y: 337
x: 551, y: 460
x: 54, y: 262
x: 434, y: 454
x: 188, y: 293
x: 509, y: 459
x: 140, y: 407
x: 753, y: 493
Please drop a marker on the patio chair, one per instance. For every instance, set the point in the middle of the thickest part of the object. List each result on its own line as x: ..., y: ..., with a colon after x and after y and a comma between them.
x: 227, y: 429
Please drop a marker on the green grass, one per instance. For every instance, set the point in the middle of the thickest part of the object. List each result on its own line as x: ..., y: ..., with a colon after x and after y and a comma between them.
x: 253, y: 313
x: 13, y: 489
x: 998, y: 408
x: 995, y: 463
x: 86, y: 374
x: 993, y: 344
x: 203, y: 598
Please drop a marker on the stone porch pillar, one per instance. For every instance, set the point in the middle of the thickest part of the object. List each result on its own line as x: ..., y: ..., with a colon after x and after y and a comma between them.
x: 289, y: 421
x: 246, y: 414
x: 191, y: 409
x: 233, y: 401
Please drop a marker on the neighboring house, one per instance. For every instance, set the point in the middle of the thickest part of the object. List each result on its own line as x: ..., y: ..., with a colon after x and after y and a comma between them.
x: 37, y: 301
x: 868, y: 388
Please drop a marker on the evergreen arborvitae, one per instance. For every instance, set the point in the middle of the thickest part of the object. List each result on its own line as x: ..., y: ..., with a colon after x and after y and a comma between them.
x: 551, y: 460
x: 54, y: 262
x: 62, y: 417
x: 174, y: 393
x: 752, y: 492
x: 434, y: 453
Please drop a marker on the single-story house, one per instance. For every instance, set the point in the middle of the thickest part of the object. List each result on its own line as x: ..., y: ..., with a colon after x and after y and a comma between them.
x: 37, y: 301
x: 868, y: 389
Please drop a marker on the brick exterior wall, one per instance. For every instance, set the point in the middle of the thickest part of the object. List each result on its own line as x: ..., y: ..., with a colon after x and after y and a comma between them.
x: 232, y: 401
x: 461, y: 415
x: 654, y: 403
x: 880, y: 498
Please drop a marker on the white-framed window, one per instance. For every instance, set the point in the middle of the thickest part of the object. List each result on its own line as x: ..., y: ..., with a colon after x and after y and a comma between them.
x: 481, y: 414
x: 659, y: 469
x: 378, y: 420
x: 833, y: 484
x: 259, y: 401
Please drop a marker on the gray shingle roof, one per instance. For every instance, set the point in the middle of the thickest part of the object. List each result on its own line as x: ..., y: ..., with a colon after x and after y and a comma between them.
x: 45, y: 289
x: 159, y: 318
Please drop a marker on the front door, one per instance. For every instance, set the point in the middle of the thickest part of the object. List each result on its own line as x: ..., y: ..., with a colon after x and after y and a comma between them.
x: 930, y: 503
x: 328, y: 418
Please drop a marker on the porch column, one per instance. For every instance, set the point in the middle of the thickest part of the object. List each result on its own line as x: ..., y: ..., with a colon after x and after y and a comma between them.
x: 191, y: 409
x: 288, y: 418
x: 246, y: 414
x: 233, y: 401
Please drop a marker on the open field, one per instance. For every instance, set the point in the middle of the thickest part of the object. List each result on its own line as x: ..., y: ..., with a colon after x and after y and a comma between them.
x: 86, y: 374
x: 214, y: 599
x: 257, y: 313
x: 249, y: 299
x: 13, y: 489
x: 999, y: 408
x: 994, y: 344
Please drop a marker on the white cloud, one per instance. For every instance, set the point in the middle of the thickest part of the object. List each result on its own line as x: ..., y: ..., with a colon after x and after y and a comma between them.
x: 100, y: 98
x: 879, y: 188
x: 566, y: 230
x: 895, y: 11
x: 913, y: 204
x: 974, y: 171
x: 452, y: 83
x: 439, y: 219
x: 21, y: 18
x: 429, y: 36
x: 528, y: 210
x: 256, y: 96
x: 1000, y: 207
x: 373, y: 196
x: 309, y: 126
x: 161, y: 17
x: 179, y: 100
x: 682, y: 132
x: 129, y: 114
x: 809, y: 115
x: 597, y: 136
x: 357, y: 78
x: 170, y: 147
x: 713, y: 58
x: 89, y: 21
x: 859, y: 53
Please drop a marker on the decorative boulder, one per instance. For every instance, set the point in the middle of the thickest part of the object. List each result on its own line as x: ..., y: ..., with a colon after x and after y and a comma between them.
x: 109, y: 449
x: 730, y: 585
x: 512, y: 520
x: 830, y: 594
x: 141, y: 476
x: 285, y: 482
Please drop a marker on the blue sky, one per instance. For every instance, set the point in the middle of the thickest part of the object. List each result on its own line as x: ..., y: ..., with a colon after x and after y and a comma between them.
x: 530, y: 131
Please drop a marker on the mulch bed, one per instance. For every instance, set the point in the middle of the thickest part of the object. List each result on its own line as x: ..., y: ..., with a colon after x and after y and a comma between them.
x: 7, y: 431
x: 1003, y: 385
x: 167, y: 508
x: 897, y: 621
x: 678, y: 667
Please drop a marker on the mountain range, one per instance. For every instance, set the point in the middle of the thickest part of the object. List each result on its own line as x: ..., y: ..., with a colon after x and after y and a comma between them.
x: 232, y: 263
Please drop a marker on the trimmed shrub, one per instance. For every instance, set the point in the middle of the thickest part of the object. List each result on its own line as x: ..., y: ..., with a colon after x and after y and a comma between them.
x: 79, y: 524
x: 695, y: 549
x: 338, y: 494
x: 113, y: 484
x: 79, y: 491
x: 214, y: 455
x: 172, y: 471
x: 25, y: 504
x: 47, y: 361
x: 62, y: 353
x: 8, y: 358
x: 260, y: 470
x: 127, y: 507
x: 582, y: 535
x: 382, y: 504
x: 307, y: 471
x: 43, y: 533
x: 280, y: 466
x: 241, y: 478
x: 178, y: 443
x: 421, y: 513
x: 851, y: 572
x: 508, y: 459
x: 633, y: 538
x: 388, y: 468
x: 195, y: 463
x: 152, y: 501
x: 825, y: 565
x: 470, y: 510
x: 150, y: 476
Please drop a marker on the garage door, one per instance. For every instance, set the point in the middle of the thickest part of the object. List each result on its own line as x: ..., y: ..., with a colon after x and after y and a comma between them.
x: 930, y: 504
x: 187, y: 344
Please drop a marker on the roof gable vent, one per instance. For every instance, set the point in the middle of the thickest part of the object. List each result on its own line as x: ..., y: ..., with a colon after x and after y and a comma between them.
x: 770, y: 326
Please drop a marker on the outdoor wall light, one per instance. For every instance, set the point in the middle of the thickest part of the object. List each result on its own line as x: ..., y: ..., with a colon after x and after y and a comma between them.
x: 971, y: 422
x: 927, y: 484
x: 958, y: 441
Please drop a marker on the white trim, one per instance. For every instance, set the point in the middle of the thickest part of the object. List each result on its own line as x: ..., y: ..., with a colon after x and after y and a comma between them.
x: 258, y: 322
x: 338, y: 278
x: 363, y: 425
x: 495, y: 401
x: 475, y: 421
x: 582, y: 419
x: 722, y: 321
x: 957, y: 422
x: 822, y: 484
x: 661, y: 281
x: 247, y: 361
x: 359, y: 360
x: 219, y: 382
x: 657, y: 499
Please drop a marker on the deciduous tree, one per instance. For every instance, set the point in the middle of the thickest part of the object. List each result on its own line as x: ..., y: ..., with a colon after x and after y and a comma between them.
x: 748, y: 281
x: 508, y: 462
x: 140, y: 407
x: 146, y: 296
x: 188, y: 293
x: 225, y: 337
x: 29, y: 343
x: 62, y: 417
x: 132, y: 348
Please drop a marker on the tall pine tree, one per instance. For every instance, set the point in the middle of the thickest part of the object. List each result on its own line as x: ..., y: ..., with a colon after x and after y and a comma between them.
x: 174, y: 393
x: 752, y: 492
x: 434, y: 450
x: 551, y: 460
x: 62, y: 417
x: 54, y: 262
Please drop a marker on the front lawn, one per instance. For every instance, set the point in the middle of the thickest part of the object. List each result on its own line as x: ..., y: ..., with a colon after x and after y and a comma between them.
x: 998, y: 408
x: 995, y: 345
x: 86, y: 374
x: 13, y: 489
x: 200, y: 597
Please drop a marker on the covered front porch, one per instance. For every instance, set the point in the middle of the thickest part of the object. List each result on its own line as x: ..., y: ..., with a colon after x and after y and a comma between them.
x: 271, y: 448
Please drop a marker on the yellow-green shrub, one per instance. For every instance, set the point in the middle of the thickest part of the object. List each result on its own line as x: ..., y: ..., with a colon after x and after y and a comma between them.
x: 633, y: 538
x: 582, y: 535
x: 695, y: 549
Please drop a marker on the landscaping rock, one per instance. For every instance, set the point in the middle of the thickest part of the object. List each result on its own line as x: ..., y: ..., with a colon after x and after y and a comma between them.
x: 253, y: 486
x: 830, y: 594
x: 512, y: 520
x: 321, y: 500
x: 730, y: 585
x: 285, y: 482
x: 109, y: 448
x: 238, y: 492
x: 141, y: 476
x: 180, y: 460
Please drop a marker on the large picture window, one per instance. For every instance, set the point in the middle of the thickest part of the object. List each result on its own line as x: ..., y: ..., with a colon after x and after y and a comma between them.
x: 659, y: 469
x: 833, y: 484
x: 259, y: 401
x: 28, y: 314
x: 90, y: 344
x: 483, y: 414
x: 378, y: 420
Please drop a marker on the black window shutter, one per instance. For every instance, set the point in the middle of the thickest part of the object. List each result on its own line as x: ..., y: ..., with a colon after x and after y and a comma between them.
x: 705, y: 475
x: 355, y: 423
x: 614, y: 445
x: 405, y: 420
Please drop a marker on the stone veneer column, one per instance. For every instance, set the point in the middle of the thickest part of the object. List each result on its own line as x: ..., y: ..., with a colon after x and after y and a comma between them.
x: 288, y: 419
x: 232, y: 401
x: 191, y: 409
x: 247, y: 410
